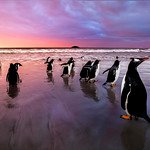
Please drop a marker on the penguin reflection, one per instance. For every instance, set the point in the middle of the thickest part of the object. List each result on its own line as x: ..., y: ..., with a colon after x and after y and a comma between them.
x: 50, y: 77
x: 12, y: 75
x: 89, y: 90
x: 111, y: 94
x: 72, y: 74
x: 133, y: 136
x: 67, y: 84
x: 13, y: 91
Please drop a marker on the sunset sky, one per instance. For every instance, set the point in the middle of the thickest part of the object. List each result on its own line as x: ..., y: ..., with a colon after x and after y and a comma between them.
x: 86, y: 23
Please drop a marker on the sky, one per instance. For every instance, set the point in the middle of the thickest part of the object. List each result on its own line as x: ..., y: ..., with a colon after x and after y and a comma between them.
x: 64, y: 23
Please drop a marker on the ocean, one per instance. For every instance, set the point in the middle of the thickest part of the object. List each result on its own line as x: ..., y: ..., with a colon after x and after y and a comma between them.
x: 45, y: 111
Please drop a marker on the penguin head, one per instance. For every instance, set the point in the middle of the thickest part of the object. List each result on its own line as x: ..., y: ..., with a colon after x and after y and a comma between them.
x: 52, y: 60
x: 96, y: 62
x: 135, y: 62
x: 116, y: 63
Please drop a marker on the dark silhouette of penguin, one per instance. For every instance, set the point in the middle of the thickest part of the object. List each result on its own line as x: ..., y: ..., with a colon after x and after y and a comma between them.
x: 134, y: 95
x: 12, y: 75
x: 59, y: 59
x: 113, y: 73
x: 94, y: 71
x: 86, y: 69
x: 49, y: 64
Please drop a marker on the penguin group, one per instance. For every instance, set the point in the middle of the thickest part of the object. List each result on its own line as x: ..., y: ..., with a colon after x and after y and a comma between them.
x: 133, y: 91
x: 90, y: 71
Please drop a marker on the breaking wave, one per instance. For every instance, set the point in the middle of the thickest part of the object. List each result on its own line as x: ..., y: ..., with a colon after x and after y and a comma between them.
x: 16, y: 51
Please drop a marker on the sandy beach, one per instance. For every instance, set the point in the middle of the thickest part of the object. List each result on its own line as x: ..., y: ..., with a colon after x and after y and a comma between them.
x: 48, y: 112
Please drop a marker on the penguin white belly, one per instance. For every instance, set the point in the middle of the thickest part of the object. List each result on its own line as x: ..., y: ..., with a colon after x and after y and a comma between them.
x: 123, y: 82
x: 126, y: 103
x: 69, y: 69
x: 97, y: 71
x: 49, y: 71
x: 117, y: 74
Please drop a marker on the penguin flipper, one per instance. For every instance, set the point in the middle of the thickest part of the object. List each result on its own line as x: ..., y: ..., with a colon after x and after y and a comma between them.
x: 105, y: 83
x: 106, y: 70
x: 147, y: 118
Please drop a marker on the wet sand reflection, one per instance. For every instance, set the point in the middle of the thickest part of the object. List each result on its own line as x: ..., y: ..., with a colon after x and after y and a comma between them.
x: 50, y: 77
x: 111, y: 94
x: 133, y: 135
x: 90, y: 90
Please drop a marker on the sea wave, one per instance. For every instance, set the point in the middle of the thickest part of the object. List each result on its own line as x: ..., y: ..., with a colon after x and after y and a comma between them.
x: 16, y: 51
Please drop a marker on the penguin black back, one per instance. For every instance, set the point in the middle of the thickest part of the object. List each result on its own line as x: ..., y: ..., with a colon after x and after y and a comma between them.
x: 94, y: 70
x: 85, y: 72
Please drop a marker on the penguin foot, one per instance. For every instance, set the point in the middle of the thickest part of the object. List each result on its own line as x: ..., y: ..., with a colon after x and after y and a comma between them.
x: 113, y: 85
x: 136, y: 118
x: 126, y: 117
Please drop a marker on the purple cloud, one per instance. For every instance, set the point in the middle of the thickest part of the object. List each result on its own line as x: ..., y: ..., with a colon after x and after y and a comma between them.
x: 91, y: 22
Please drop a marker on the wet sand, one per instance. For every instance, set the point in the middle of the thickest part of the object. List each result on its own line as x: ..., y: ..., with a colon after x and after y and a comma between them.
x: 47, y: 112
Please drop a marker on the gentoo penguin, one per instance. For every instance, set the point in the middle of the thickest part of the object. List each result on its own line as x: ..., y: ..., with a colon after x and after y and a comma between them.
x: 133, y: 92
x: 71, y: 61
x: 49, y: 65
x: 12, y: 75
x: 85, y: 72
x: 113, y: 73
x: 94, y: 71
x: 67, y: 67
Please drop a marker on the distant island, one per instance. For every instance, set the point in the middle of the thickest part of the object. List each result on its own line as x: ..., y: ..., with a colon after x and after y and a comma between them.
x: 75, y: 47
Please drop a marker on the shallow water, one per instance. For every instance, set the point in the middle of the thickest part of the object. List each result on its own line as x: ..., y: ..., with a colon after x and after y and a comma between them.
x: 48, y: 112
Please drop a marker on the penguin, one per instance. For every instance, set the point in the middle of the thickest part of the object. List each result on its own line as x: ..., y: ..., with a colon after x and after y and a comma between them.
x: 85, y: 72
x: 49, y: 65
x: 133, y: 92
x: 67, y: 67
x: 12, y: 75
x: 71, y: 61
x: 59, y: 59
x: 113, y: 73
x: 94, y: 71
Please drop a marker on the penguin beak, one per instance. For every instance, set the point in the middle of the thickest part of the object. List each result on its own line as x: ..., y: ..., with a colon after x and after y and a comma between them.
x: 142, y: 60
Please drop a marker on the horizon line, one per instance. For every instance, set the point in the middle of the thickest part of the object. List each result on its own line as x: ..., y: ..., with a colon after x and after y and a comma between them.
x: 74, y: 48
